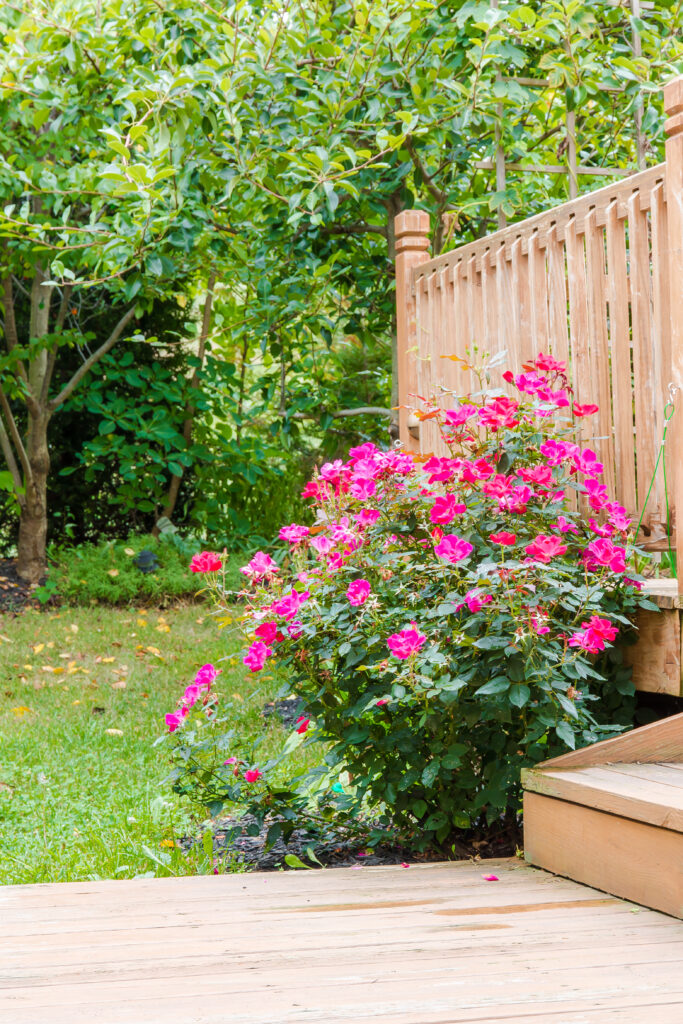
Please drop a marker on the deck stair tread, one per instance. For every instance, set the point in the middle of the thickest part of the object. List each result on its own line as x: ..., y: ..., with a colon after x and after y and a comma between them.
x: 611, y: 815
x: 647, y: 792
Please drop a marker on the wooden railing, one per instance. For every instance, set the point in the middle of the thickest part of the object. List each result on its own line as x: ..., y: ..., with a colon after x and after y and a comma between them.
x: 597, y: 282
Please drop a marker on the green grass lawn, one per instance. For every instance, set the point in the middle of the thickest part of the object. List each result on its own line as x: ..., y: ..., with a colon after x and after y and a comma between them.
x: 83, y: 693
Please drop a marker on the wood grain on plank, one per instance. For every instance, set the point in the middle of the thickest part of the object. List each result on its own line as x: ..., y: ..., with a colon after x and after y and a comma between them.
x: 628, y: 858
x: 656, y: 742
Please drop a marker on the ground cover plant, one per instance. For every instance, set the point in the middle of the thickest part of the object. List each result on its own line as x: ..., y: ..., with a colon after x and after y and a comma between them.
x: 113, y: 572
x: 446, y: 622
x: 81, y: 787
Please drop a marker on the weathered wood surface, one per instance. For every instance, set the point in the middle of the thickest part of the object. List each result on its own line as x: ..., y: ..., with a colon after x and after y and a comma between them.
x: 431, y: 944
x: 652, y: 793
x: 656, y: 743
x: 616, y: 854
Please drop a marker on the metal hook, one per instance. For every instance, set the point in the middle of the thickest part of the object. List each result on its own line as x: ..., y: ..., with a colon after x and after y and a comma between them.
x: 673, y: 391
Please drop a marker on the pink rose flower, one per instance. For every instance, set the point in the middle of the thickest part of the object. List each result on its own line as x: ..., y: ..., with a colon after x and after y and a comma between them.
x: 586, y: 462
x: 540, y: 475
x: 288, y: 606
x: 556, y: 452
x: 506, y: 539
x: 323, y: 545
x: 294, y: 533
x: 594, y: 634
x: 564, y: 526
x: 206, y: 561
x: 256, y: 656
x: 456, y: 417
x: 358, y: 592
x: 259, y: 567
x: 174, y: 719
x: 584, y: 410
x: 367, y: 516
x: 268, y: 633
x: 302, y: 724
x: 603, y: 552
x: 547, y: 364
x: 544, y: 548
x: 406, y: 642
x: 476, y: 599
x: 252, y: 775
x: 205, y: 676
x: 362, y: 488
x: 453, y: 548
x: 445, y: 509
x: 382, y: 701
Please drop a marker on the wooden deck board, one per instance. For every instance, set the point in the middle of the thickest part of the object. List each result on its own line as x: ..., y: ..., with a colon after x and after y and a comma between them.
x: 432, y: 944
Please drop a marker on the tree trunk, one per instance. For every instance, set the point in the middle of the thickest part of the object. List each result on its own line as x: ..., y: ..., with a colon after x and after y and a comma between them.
x: 31, y: 554
x: 174, y: 487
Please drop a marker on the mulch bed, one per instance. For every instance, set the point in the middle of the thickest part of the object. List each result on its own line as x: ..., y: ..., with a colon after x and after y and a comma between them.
x: 339, y: 851
x: 336, y: 851
x: 15, y: 593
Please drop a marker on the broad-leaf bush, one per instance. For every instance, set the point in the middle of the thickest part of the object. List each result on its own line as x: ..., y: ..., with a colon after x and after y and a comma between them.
x: 449, y: 621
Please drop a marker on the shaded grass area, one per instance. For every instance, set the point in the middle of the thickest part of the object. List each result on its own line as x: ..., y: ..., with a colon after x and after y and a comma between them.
x: 83, y: 693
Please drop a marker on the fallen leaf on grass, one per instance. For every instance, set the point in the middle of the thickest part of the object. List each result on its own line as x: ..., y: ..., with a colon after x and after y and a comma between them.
x: 119, y: 684
x: 29, y: 668
x: 99, y: 660
x: 5, y: 639
x: 22, y: 710
x: 37, y: 648
x: 142, y: 622
x: 163, y: 627
x: 6, y: 786
x: 112, y: 572
x: 237, y: 696
x: 114, y: 732
x: 73, y: 627
x: 75, y: 702
x: 167, y: 842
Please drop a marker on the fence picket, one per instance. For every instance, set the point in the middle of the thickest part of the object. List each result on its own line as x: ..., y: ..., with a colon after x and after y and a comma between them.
x: 620, y: 342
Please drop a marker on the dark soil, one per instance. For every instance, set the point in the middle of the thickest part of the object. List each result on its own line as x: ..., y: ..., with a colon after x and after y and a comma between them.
x: 287, y: 710
x: 337, y: 851
x: 15, y: 593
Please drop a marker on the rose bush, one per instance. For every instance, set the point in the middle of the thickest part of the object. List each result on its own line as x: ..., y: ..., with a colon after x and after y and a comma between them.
x: 449, y: 621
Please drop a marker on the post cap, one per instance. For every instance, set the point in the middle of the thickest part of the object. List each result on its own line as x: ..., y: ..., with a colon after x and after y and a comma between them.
x: 673, y: 105
x: 411, y: 229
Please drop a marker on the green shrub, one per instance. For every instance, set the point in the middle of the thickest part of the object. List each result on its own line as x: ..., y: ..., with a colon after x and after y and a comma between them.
x: 447, y: 624
x: 106, y: 573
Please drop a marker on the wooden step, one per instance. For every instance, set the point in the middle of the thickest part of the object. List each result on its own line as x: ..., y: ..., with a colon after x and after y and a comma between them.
x: 611, y: 815
x: 656, y: 657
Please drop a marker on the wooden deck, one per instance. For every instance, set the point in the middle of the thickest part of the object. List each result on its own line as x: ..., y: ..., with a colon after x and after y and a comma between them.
x: 432, y: 944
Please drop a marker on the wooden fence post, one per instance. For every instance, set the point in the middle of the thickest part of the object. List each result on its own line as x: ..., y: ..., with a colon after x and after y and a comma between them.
x: 412, y: 248
x: 673, y: 106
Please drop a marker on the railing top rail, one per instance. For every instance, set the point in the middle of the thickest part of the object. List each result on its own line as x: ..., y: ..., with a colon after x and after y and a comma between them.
x: 558, y: 218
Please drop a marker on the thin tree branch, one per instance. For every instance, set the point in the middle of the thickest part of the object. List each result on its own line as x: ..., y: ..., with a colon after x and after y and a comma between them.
x: 433, y: 189
x: 11, y: 335
x: 363, y: 410
x: 90, y: 362
x: 356, y: 228
x: 52, y: 356
x: 15, y: 435
x: 11, y: 462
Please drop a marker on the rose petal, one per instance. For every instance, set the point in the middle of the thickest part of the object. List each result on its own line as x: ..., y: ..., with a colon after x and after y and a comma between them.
x: 491, y: 878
